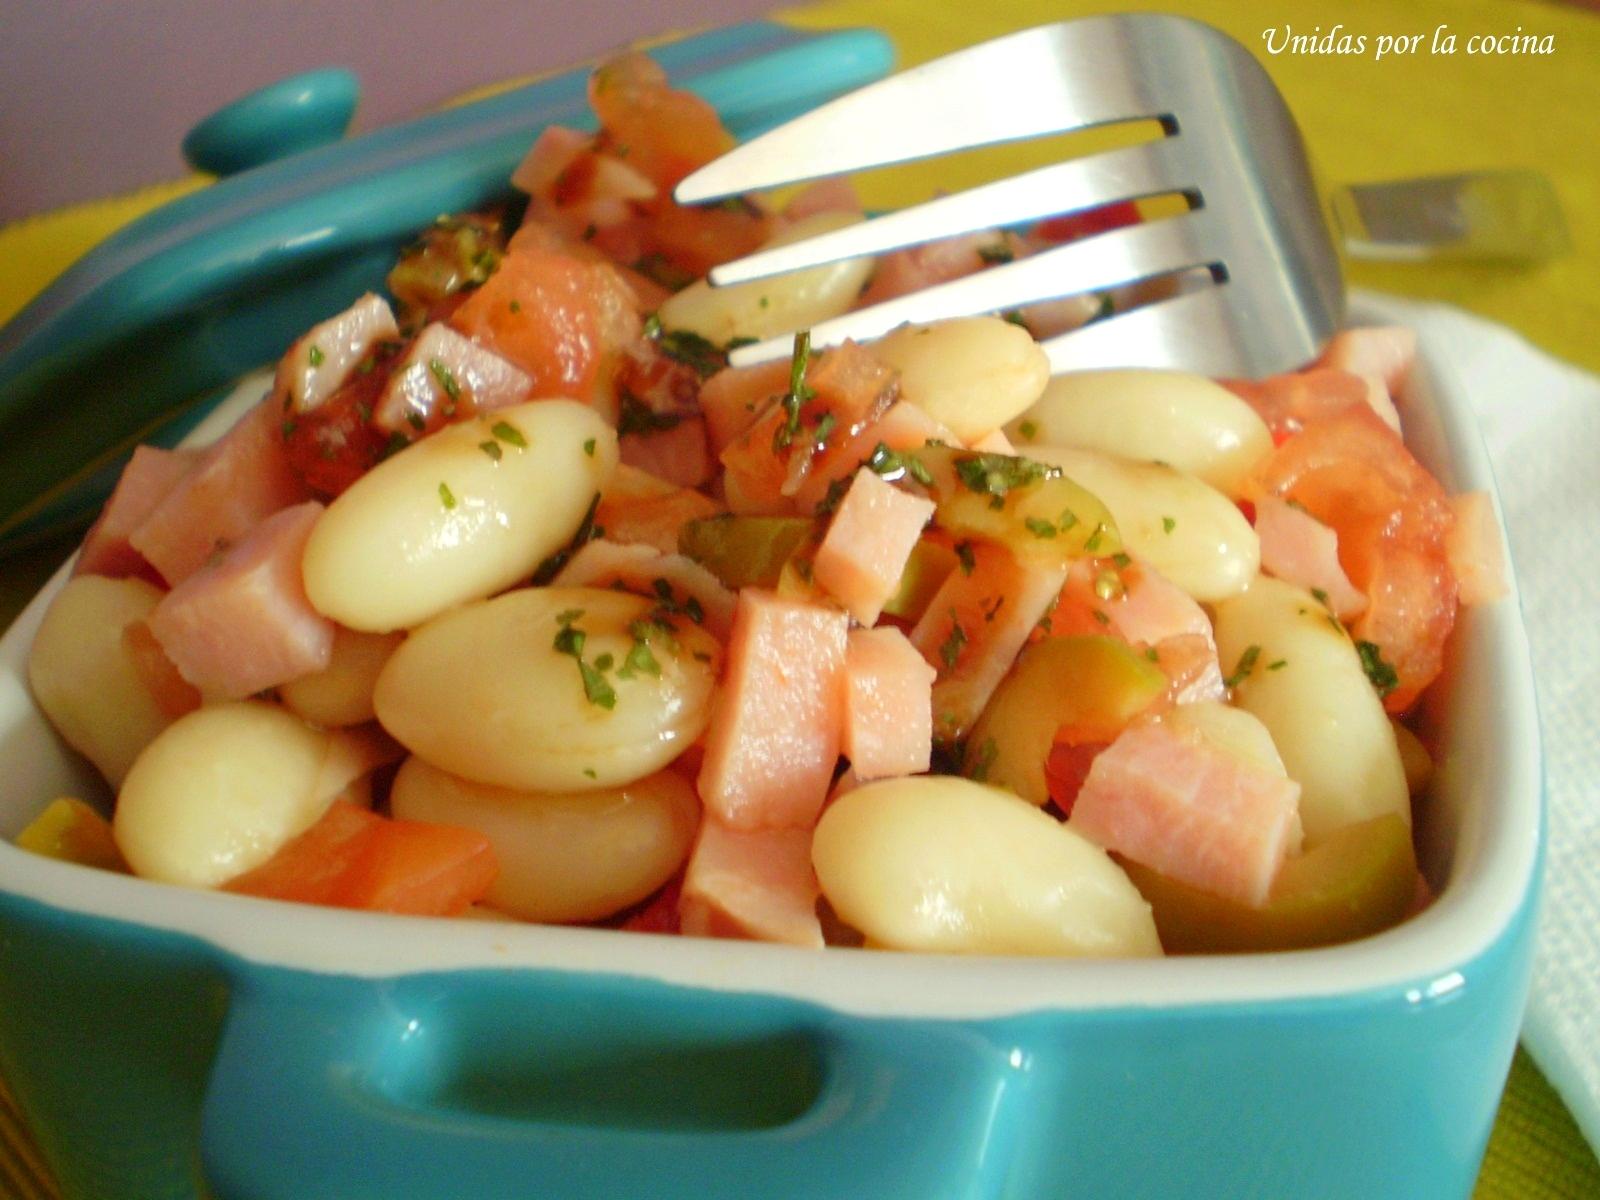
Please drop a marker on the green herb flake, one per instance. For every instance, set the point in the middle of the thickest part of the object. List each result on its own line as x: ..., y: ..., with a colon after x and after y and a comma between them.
x: 509, y: 434
x: 692, y: 350
x: 1383, y: 676
x: 798, y: 392
x: 446, y: 496
x: 595, y: 688
x: 1320, y: 596
x: 446, y: 380
x: 1092, y: 542
x: 1121, y: 560
x: 491, y: 448
x: 950, y: 651
x: 1168, y: 524
x: 288, y: 429
x: 965, y: 556
x: 589, y: 773
x: 996, y: 254
x: 1100, y: 616
x: 1039, y: 527
x: 1151, y: 653
x: 1028, y: 430
x: 1277, y: 664
x: 315, y: 356
x: 637, y: 417
x: 515, y: 306
x: 1247, y: 664
x: 983, y: 760
x: 396, y: 443
x: 1015, y: 317
x: 997, y: 475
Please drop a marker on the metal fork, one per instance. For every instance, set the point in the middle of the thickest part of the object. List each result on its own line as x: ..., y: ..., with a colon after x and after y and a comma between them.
x: 1275, y: 292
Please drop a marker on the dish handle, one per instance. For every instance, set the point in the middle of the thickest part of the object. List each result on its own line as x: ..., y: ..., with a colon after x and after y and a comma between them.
x: 519, y: 1084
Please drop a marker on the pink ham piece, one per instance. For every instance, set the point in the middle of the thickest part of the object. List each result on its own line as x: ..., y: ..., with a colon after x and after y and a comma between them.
x: 1387, y: 352
x: 238, y: 482
x: 1183, y: 806
x: 150, y: 475
x: 1297, y: 548
x: 441, y: 361
x: 679, y: 455
x: 320, y: 361
x: 871, y: 536
x: 647, y: 571
x: 243, y: 624
x: 1473, y: 547
x: 834, y: 194
x: 775, y: 731
x: 751, y: 884
x: 888, y: 711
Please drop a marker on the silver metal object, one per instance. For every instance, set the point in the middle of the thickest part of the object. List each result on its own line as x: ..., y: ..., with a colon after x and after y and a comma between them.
x: 1485, y: 216
x: 1263, y: 290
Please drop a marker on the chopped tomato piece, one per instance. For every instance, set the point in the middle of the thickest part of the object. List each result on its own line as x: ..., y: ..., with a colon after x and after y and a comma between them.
x: 1071, y: 226
x: 663, y: 132
x: 353, y: 858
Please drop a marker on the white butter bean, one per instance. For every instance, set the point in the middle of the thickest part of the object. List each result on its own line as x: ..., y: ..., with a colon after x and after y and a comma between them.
x: 483, y: 692
x: 1309, y: 690
x: 221, y: 791
x: 1186, y: 421
x: 84, y: 678
x: 461, y: 515
x: 972, y: 374
x: 765, y: 308
x: 341, y: 693
x: 563, y: 857
x: 1188, y: 531
x: 950, y: 866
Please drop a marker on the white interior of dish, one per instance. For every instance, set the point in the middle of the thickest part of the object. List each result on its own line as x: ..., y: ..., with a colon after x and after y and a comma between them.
x: 1477, y: 833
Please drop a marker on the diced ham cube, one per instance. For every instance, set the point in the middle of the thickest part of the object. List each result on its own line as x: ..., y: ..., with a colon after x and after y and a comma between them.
x: 774, y: 736
x: 320, y: 361
x: 442, y: 373
x: 149, y: 477
x: 1385, y: 351
x: 1189, y: 661
x: 888, y: 714
x: 679, y: 455
x: 243, y: 624
x: 643, y: 569
x: 1169, y: 798
x: 974, y: 626
x: 834, y: 194
x: 871, y: 536
x: 1297, y: 548
x: 238, y: 482
x: 751, y: 884
x: 1125, y: 598
x: 1473, y: 546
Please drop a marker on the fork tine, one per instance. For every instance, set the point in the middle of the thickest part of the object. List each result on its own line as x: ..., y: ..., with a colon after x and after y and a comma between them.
x: 1126, y: 174
x: 1192, y: 239
x: 1004, y: 90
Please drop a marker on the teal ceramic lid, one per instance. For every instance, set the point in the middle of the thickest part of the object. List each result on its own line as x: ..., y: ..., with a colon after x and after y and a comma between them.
x: 134, y: 340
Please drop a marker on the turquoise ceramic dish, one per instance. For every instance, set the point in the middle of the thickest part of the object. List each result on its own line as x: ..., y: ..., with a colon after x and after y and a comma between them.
x: 159, y: 1037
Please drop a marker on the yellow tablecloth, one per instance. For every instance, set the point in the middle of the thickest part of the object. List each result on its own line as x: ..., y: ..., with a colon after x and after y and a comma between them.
x: 1364, y: 119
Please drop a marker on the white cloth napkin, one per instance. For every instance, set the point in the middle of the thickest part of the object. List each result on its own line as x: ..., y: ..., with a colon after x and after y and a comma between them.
x: 1541, y: 420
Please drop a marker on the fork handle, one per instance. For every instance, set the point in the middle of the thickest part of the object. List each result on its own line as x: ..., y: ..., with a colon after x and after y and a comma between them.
x: 1483, y: 216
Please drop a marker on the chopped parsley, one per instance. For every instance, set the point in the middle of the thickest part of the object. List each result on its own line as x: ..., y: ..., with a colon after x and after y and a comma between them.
x: 1277, y: 664
x: 314, y: 355
x: 996, y: 254
x: 950, y: 651
x: 997, y: 474
x: 570, y: 640
x: 587, y: 531
x: 1121, y: 561
x: 1320, y: 596
x: 1152, y: 654
x: 1247, y: 663
x: 491, y: 448
x: 515, y: 306
x: 690, y: 349
x: 1028, y: 430
x: 589, y: 773
x: 446, y: 380
x: 1383, y: 676
x: 1168, y: 524
x: 509, y: 434
x: 416, y: 421
x: 588, y: 447
x: 1040, y: 528
x: 396, y: 443
x: 1099, y: 615
x: 797, y: 394
x: 1014, y: 316
x: 446, y: 496
x: 1092, y: 542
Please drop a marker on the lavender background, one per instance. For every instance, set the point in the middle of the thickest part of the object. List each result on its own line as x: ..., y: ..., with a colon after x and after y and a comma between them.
x: 95, y: 95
